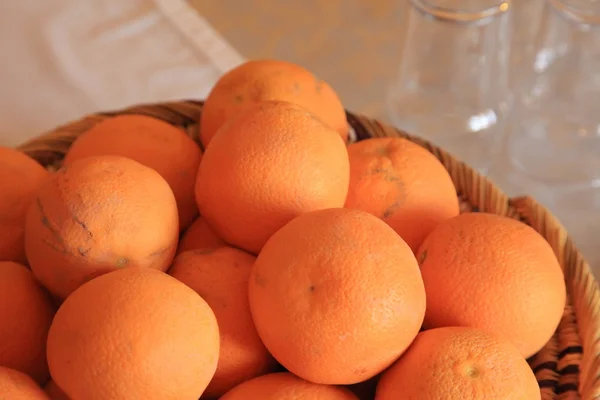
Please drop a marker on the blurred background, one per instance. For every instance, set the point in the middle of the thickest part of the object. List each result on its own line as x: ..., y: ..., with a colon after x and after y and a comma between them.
x: 513, y: 90
x: 355, y: 45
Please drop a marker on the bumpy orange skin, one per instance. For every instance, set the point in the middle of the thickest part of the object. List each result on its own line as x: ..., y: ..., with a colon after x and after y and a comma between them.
x: 20, y: 179
x: 336, y: 296
x: 26, y: 312
x: 403, y: 184
x: 459, y: 363
x: 493, y: 273
x: 271, y: 163
x: 220, y: 276
x: 97, y: 215
x: 263, y: 80
x: 15, y: 385
x: 199, y: 236
x: 285, y: 386
x: 136, y: 333
x: 153, y: 143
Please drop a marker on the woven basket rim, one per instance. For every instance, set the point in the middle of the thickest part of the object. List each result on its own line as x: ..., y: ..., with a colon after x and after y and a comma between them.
x: 583, y: 289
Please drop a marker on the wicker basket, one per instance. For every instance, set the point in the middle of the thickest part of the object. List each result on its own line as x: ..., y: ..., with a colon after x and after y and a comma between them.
x: 567, y: 368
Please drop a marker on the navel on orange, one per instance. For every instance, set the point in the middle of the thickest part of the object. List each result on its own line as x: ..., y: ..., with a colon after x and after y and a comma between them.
x: 459, y: 363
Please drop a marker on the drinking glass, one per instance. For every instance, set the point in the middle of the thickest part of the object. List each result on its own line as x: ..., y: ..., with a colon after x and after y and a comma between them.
x: 553, y: 140
x: 527, y: 17
x: 452, y: 86
x: 555, y: 131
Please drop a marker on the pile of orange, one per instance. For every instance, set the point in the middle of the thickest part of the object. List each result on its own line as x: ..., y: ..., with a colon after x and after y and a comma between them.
x: 276, y: 259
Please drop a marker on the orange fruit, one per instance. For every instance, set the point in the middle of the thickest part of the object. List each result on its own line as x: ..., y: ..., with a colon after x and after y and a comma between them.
x: 26, y: 312
x: 198, y: 236
x: 271, y: 163
x: 15, y: 385
x: 153, y: 143
x: 285, y: 386
x: 97, y: 215
x: 336, y: 296
x: 265, y: 80
x: 135, y: 333
x: 220, y: 276
x: 20, y: 179
x: 401, y: 183
x: 459, y: 363
x: 54, y: 392
x: 494, y: 273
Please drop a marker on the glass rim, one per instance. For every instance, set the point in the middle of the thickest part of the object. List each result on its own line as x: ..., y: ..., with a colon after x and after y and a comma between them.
x: 437, y: 11
x: 587, y: 14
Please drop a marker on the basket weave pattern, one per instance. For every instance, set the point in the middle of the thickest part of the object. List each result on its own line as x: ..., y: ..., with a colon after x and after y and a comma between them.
x: 568, y: 367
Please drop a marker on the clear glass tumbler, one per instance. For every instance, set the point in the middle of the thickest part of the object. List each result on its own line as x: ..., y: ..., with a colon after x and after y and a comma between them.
x: 555, y: 131
x: 553, y: 140
x: 527, y: 17
x: 453, y: 82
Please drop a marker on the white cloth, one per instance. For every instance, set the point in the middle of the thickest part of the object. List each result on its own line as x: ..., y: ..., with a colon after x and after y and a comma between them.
x: 63, y: 59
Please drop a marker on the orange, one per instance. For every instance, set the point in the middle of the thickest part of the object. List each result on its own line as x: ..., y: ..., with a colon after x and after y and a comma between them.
x: 198, y: 236
x: 54, y: 392
x: 285, y: 386
x: 15, y: 385
x: 26, y: 312
x: 220, y: 276
x: 135, y: 333
x: 401, y: 183
x: 153, y: 143
x: 494, y: 273
x: 271, y: 163
x: 336, y: 296
x: 20, y: 179
x: 459, y: 363
x: 97, y: 215
x: 264, y: 80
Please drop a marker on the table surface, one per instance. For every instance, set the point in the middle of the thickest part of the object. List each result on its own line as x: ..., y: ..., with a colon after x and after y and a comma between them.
x: 358, y: 58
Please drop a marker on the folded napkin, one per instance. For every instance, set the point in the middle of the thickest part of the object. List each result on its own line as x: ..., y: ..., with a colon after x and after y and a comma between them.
x: 64, y: 59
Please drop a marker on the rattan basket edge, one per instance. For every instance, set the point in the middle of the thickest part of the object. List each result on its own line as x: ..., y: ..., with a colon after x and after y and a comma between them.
x: 568, y: 366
